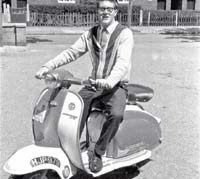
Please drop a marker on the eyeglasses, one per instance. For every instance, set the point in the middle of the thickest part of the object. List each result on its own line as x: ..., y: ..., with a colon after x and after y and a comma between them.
x: 109, y: 9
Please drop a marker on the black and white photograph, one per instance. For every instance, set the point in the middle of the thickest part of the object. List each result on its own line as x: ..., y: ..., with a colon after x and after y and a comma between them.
x: 106, y: 89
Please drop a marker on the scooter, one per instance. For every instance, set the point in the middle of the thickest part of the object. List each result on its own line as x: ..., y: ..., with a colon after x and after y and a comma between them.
x: 60, y: 149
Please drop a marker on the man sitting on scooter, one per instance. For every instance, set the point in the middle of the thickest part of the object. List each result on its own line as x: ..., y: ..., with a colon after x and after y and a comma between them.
x: 110, y: 47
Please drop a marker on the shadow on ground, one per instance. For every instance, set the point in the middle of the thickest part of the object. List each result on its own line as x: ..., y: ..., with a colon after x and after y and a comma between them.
x: 126, y: 173
x: 35, y: 40
x: 183, y: 34
x: 185, y: 38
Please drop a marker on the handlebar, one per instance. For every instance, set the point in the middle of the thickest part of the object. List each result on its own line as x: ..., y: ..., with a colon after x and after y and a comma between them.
x: 77, y: 81
x: 61, y: 77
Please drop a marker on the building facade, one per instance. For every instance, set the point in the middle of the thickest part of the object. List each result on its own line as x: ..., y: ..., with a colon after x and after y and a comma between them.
x: 145, y: 4
x: 178, y: 4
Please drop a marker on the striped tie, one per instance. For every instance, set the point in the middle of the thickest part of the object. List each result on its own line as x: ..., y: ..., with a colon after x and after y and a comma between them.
x: 104, y: 39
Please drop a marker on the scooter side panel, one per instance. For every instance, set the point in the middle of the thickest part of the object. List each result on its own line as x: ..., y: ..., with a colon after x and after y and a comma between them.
x: 68, y: 127
x: 139, y: 130
x: 34, y: 158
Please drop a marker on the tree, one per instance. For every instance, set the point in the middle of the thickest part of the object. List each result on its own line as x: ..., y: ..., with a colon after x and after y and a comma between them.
x: 130, y: 7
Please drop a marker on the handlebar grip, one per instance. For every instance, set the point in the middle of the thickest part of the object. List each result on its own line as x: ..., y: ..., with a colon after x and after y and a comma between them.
x: 39, y: 77
x: 74, y: 81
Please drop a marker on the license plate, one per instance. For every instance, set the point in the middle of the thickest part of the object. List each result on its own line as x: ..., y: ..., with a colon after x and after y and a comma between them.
x: 45, y: 160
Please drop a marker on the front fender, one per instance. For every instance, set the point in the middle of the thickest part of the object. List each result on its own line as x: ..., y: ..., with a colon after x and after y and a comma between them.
x: 34, y: 158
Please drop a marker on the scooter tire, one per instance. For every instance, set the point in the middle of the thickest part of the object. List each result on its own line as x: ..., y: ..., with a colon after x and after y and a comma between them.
x: 15, y: 177
x: 34, y: 175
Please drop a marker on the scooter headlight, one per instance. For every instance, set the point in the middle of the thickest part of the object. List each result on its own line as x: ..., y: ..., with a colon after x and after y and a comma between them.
x: 52, y: 81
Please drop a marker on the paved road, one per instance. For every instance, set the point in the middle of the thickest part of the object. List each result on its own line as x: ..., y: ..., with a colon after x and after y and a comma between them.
x: 167, y: 63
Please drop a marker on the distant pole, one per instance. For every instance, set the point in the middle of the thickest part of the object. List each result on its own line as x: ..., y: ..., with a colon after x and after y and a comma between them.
x: 141, y: 18
x: 130, y: 6
x: 27, y: 13
x: 1, y: 29
x: 149, y: 18
x: 176, y: 19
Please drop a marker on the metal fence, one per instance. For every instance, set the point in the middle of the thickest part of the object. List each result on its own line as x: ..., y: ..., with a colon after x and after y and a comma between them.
x: 67, y: 19
x: 143, y: 17
x: 75, y: 19
x: 170, y: 18
x: 188, y: 19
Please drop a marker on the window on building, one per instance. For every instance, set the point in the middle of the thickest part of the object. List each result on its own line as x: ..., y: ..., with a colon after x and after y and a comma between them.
x: 123, y: 1
x: 7, y: 1
x: 191, y: 4
x: 66, y: 1
x: 161, y: 4
x: 176, y: 4
x: 21, y: 3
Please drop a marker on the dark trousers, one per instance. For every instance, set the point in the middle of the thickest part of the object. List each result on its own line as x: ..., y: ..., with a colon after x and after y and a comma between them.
x: 114, y: 102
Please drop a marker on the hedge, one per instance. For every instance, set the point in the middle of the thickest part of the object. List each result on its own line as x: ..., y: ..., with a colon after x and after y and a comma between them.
x: 61, y: 9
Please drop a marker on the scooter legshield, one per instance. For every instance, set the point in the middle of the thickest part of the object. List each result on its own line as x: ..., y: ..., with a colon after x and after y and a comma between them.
x: 34, y: 158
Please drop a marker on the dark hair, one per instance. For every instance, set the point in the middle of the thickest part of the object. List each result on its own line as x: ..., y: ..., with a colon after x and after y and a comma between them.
x: 114, y: 1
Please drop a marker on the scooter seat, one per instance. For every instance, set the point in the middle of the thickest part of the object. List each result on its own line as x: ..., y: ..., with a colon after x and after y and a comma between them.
x: 139, y: 93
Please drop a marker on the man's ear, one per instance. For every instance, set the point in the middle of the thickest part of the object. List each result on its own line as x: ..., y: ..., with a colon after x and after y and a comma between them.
x: 116, y: 11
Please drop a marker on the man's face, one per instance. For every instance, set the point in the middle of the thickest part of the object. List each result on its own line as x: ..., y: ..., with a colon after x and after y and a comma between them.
x: 106, y: 13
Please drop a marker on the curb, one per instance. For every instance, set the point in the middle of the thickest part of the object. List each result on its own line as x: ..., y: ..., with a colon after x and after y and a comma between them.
x: 137, y: 29
x: 7, y: 49
x: 167, y: 30
x: 55, y: 30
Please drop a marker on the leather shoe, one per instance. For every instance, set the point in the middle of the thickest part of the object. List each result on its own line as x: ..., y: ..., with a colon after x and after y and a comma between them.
x: 95, y: 162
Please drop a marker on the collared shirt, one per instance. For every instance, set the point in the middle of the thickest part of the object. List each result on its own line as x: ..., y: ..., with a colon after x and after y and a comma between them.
x: 122, y: 68
x: 109, y: 30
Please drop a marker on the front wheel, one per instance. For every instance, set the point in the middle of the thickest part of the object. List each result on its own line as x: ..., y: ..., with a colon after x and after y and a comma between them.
x: 34, y: 175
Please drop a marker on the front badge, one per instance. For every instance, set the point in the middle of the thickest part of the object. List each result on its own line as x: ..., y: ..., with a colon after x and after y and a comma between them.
x: 71, y: 106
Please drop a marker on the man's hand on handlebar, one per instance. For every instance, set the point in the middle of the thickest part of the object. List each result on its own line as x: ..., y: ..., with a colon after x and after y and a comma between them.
x: 102, y: 84
x: 42, y: 72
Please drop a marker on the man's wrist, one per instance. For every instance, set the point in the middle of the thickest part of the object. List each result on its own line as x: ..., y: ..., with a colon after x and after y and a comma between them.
x: 46, y: 67
x: 111, y: 82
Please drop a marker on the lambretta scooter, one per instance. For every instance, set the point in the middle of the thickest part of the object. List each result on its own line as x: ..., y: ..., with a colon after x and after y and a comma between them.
x: 58, y: 145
